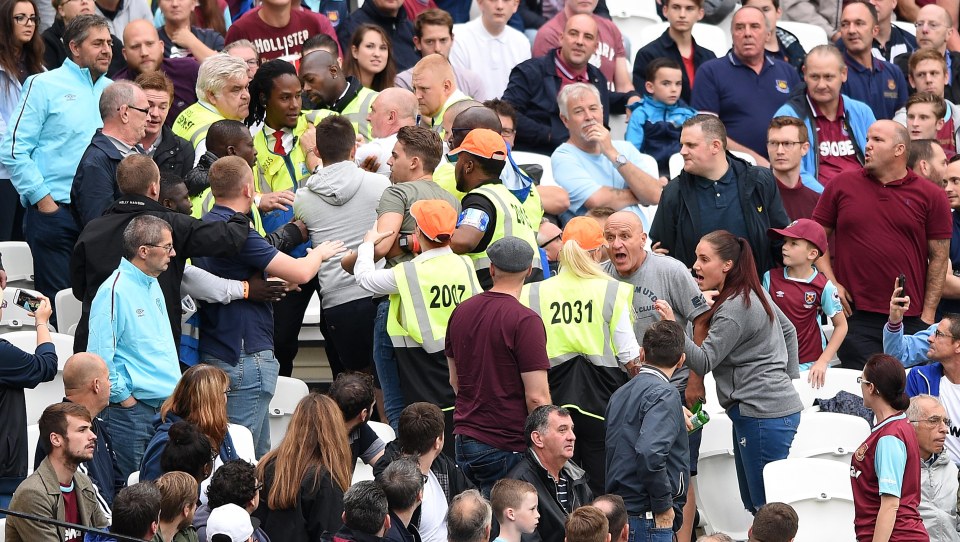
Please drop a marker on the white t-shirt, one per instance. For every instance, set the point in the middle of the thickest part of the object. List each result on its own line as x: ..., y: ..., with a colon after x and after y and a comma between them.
x: 950, y: 398
x: 381, y: 148
x: 433, y: 511
x: 499, y: 53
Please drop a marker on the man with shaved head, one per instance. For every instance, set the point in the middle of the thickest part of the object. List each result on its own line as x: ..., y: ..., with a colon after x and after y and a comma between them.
x: 327, y: 86
x: 887, y: 221
x: 86, y: 382
x: 657, y: 277
x: 436, y: 89
x: 391, y: 110
x: 934, y: 29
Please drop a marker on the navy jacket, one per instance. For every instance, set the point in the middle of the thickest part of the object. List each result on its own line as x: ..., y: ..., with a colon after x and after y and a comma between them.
x: 399, y: 29
x: 677, y: 222
x: 532, y: 91
x: 95, y: 183
x: 150, y: 464
x: 664, y: 46
x: 174, y: 155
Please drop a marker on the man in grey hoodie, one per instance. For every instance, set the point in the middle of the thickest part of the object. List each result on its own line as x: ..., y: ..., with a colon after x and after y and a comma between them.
x: 340, y: 201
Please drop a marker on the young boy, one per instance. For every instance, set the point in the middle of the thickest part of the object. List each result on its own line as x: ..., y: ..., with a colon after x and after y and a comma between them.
x: 655, y: 125
x: 514, y: 505
x: 802, y: 293
x: 676, y: 43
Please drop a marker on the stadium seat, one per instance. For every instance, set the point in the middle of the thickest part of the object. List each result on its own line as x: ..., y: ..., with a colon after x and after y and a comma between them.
x: 134, y: 478
x: 3, y: 527
x: 706, y: 35
x: 618, y: 127
x: 819, y: 490
x: 33, y: 438
x: 242, y: 442
x: 46, y: 393
x: 521, y: 158
x: 285, y: 398
x: 829, y: 435
x: 718, y: 494
x: 362, y: 471
x: 17, y: 261
x: 675, y: 165
x: 69, y: 310
x: 837, y: 379
x: 908, y: 26
x: 745, y: 156
x: 712, y: 405
x: 630, y: 8
x: 810, y: 35
x: 632, y: 27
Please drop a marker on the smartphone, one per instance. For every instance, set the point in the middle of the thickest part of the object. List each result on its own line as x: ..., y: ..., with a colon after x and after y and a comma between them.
x: 26, y: 300
x: 901, y: 283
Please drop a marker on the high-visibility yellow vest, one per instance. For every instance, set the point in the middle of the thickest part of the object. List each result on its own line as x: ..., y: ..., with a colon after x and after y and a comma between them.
x: 511, y: 220
x: 445, y: 176
x: 357, y: 110
x: 193, y: 123
x: 429, y: 291
x: 273, y: 171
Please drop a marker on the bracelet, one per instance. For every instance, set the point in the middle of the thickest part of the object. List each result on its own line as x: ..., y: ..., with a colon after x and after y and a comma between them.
x: 246, y: 289
x: 44, y: 324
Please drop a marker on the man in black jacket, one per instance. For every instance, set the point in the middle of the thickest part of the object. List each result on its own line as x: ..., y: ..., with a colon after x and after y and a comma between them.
x: 561, y: 485
x: 717, y: 191
x: 391, y: 16
x: 172, y: 153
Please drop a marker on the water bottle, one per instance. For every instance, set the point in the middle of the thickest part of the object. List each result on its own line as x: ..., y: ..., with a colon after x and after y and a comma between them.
x: 699, y: 418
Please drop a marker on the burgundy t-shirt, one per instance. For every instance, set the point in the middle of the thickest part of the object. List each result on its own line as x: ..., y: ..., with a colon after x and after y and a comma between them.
x: 881, y: 231
x: 798, y: 201
x: 494, y: 339
x: 834, y: 146
x: 286, y: 42
x: 71, y: 513
x: 945, y: 138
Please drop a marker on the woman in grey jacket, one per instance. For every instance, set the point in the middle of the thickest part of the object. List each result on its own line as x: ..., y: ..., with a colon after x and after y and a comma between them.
x: 751, y: 347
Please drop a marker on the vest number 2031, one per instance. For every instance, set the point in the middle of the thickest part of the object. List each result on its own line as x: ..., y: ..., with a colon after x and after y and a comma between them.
x: 566, y: 312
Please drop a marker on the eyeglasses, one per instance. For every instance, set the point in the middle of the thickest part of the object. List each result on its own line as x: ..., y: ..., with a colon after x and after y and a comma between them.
x: 258, y: 487
x: 936, y: 421
x: 932, y: 25
x: 550, y: 241
x: 861, y: 380
x: 144, y: 110
x: 787, y: 145
x: 940, y: 335
x: 23, y: 20
x: 252, y: 62
x: 507, y: 132
x: 168, y: 248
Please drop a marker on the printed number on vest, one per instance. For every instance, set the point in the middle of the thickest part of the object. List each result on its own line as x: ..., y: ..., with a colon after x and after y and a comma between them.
x: 446, y: 295
x: 566, y: 312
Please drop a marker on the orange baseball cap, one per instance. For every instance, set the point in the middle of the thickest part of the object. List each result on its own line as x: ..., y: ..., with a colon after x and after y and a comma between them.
x: 434, y: 217
x: 585, y: 231
x: 483, y: 143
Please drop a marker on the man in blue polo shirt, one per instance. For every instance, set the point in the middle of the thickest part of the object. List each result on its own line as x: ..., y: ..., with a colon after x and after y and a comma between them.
x: 876, y: 82
x: 745, y: 87
x: 238, y: 337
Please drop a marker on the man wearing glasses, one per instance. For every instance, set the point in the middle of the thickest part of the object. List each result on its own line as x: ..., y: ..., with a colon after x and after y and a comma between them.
x: 938, y: 475
x: 934, y: 29
x: 836, y: 124
x: 130, y: 330
x: 787, y: 145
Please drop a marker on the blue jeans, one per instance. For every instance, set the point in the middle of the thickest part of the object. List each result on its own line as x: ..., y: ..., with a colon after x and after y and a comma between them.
x: 131, y: 430
x: 758, y: 441
x: 253, y: 380
x: 644, y: 530
x: 51, y: 238
x: 483, y: 464
x: 386, y: 364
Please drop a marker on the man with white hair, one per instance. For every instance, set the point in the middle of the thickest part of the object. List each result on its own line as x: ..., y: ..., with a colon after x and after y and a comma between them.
x: 124, y: 109
x: 938, y: 475
x: 222, y: 93
x: 391, y: 110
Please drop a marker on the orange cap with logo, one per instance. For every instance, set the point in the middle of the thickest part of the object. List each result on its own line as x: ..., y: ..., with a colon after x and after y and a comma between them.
x: 585, y: 231
x: 435, y: 218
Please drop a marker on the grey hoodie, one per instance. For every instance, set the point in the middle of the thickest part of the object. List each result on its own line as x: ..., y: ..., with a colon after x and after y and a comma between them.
x: 339, y: 202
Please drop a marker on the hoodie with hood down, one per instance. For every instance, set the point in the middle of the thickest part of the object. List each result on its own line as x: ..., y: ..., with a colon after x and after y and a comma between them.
x: 339, y: 203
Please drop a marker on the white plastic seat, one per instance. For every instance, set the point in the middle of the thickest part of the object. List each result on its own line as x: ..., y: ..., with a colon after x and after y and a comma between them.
x: 819, y: 490
x: 17, y: 261
x: 718, y: 493
x: 837, y: 379
x: 675, y: 165
x: 69, y: 310
x: 312, y: 314
x: 745, y: 156
x: 908, y: 26
x: 809, y: 35
x: 33, y: 439
x: 285, y: 398
x: 521, y: 158
x: 632, y: 8
x: 384, y: 431
x: 133, y: 478
x: 633, y: 28
x: 362, y: 471
x: 712, y: 405
x: 46, y: 393
x: 829, y: 435
x: 706, y: 35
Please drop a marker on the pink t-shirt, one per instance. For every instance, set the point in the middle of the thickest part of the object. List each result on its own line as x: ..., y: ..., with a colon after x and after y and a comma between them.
x: 286, y: 42
x: 609, y: 48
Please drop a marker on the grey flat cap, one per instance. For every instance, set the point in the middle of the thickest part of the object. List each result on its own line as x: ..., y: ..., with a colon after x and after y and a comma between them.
x: 511, y: 254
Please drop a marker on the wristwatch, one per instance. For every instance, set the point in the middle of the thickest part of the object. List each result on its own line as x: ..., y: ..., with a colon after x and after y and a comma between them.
x: 621, y: 161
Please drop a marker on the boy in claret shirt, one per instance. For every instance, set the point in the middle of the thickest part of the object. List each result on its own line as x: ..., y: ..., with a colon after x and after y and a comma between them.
x: 802, y: 293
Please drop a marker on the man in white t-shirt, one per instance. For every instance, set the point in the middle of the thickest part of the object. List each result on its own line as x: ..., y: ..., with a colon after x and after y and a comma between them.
x: 488, y: 46
x: 391, y: 110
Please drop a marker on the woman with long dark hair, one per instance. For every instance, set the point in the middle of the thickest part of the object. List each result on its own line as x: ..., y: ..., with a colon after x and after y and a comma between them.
x: 21, y: 55
x: 371, y: 58
x: 885, y: 469
x: 751, y: 347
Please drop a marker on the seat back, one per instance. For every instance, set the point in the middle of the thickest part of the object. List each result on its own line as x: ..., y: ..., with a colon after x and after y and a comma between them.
x: 809, y: 35
x: 819, y: 490
x: 17, y: 261
x: 46, y: 393
x: 675, y: 165
x: 521, y: 158
x: 633, y: 27
x: 719, y: 502
x: 707, y: 36
x: 285, y: 399
x: 69, y: 310
x: 829, y: 435
x: 33, y: 440
x: 836, y: 379
x: 362, y: 471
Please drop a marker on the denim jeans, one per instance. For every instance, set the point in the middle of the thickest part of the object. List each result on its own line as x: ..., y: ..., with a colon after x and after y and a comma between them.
x: 386, y: 364
x: 130, y: 430
x: 253, y: 380
x: 645, y: 530
x: 483, y: 464
x: 51, y: 238
x: 758, y: 441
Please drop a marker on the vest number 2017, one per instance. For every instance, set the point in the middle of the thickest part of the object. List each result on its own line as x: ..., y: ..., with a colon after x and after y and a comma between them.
x: 447, y: 295
x: 566, y: 312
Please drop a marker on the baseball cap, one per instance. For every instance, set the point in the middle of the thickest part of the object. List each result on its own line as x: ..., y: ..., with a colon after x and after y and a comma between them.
x: 230, y: 520
x: 481, y: 142
x: 805, y: 229
x: 585, y: 231
x: 510, y: 254
x: 434, y: 217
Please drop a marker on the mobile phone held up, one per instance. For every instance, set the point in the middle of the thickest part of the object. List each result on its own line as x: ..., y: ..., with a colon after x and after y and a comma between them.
x: 23, y: 298
x: 901, y: 283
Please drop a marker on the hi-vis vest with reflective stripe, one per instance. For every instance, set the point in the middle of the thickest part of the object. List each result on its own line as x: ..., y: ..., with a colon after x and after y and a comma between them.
x: 194, y: 122
x: 511, y: 221
x: 204, y: 202
x: 273, y: 172
x: 357, y: 110
x: 580, y: 316
x: 429, y: 291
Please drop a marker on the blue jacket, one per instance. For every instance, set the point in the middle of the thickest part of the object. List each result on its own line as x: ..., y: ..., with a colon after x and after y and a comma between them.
x: 130, y: 330
x: 95, y: 183
x: 654, y: 128
x: 858, y: 116
x: 58, y: 113
x: 925, y: 379
x: 150, y: 464
x: 909, y: 349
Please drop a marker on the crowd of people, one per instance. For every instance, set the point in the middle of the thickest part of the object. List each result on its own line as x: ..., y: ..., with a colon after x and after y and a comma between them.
x: 196, y: 173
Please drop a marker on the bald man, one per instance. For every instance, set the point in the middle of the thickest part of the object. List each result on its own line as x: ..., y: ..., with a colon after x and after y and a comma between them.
x: 391, y: 110
x: 436, y: 89
x: 86, y: 382
x: 934, y: 30
x: 143, y: 50
x: 913, y: 239
x: 326, y: 86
